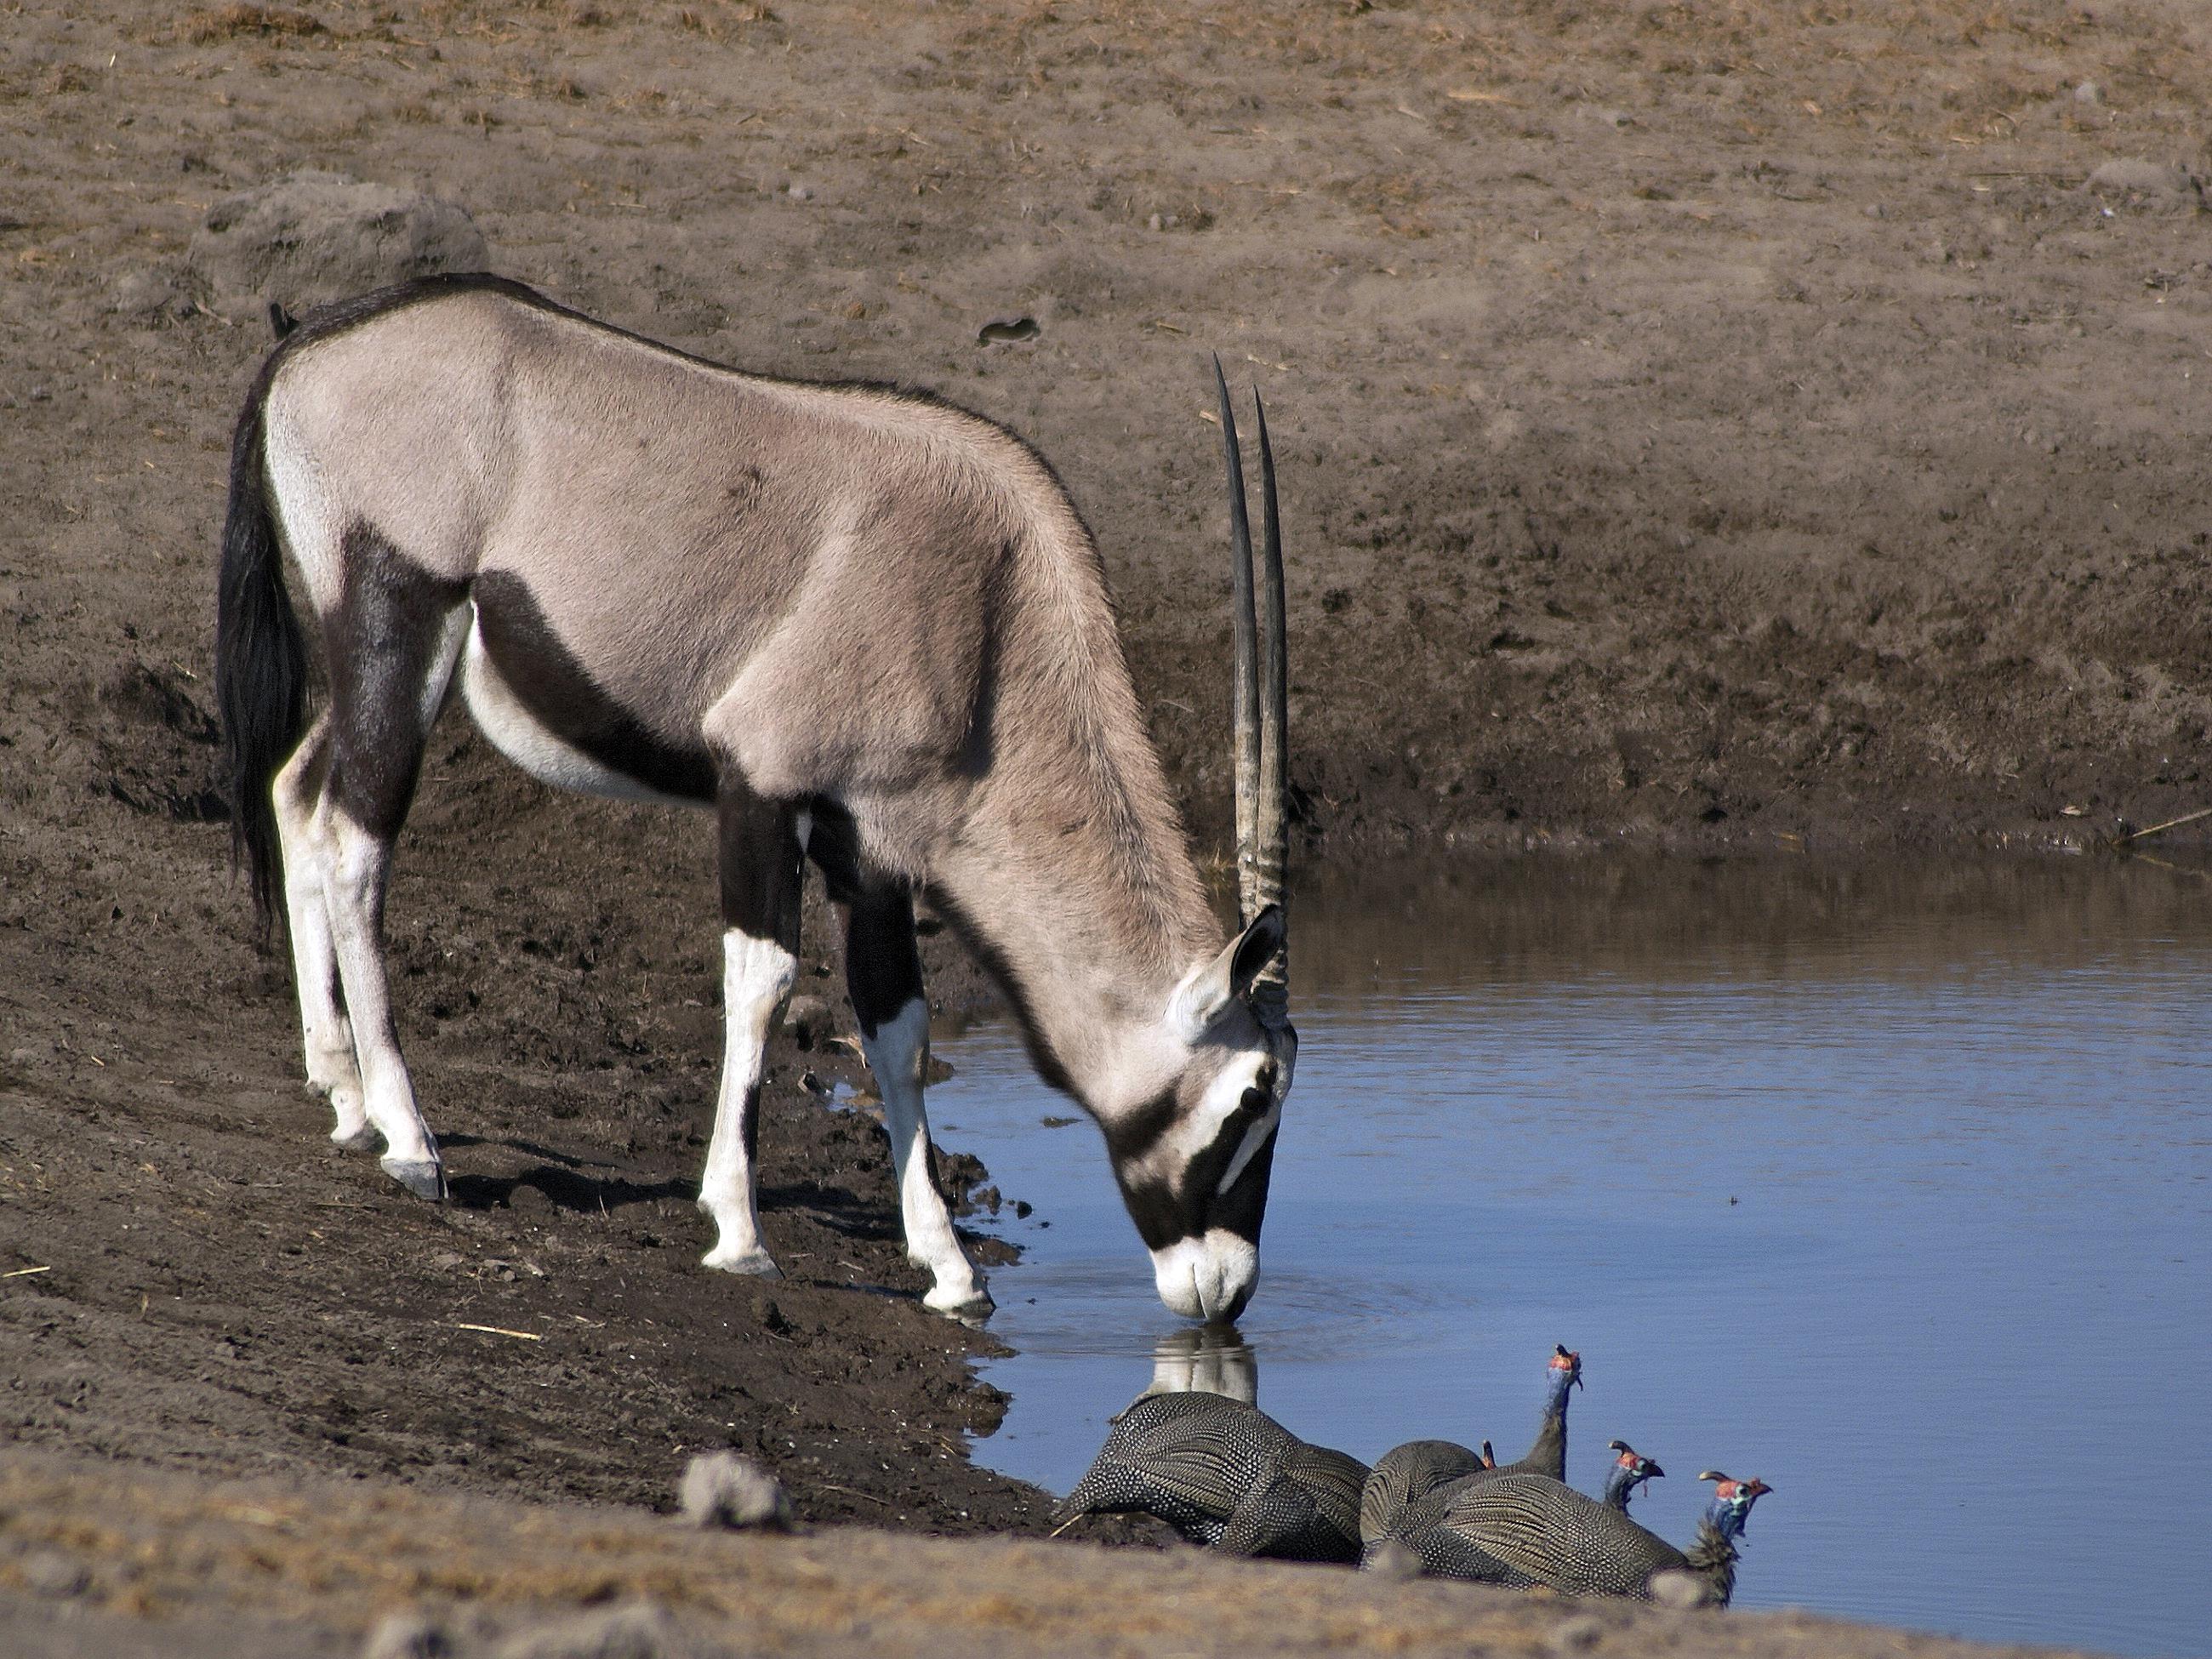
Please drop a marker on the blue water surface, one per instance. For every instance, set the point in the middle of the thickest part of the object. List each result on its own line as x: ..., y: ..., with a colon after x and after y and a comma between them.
x: 1893, y: 1188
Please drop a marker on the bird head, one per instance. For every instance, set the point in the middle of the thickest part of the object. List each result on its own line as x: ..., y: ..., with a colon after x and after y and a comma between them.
x: 1563, y: 1371
x: 1630, y: 1470
x: 1730, y: 1510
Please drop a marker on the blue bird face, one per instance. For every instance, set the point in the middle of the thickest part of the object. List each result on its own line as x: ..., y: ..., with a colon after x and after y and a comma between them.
x: 1730, y: 1510
x: 1563, y: 1371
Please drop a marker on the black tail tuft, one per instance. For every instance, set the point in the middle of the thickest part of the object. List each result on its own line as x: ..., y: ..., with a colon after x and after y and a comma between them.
x: 260, y: 663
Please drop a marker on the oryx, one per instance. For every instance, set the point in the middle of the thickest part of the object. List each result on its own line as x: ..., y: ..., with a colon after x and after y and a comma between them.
x: 862, y: 625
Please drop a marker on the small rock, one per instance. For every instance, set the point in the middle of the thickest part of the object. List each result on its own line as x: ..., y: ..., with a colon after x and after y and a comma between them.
x: 2148, y: 183
x: 49, y: 1572
x: 146, y: 295
x: 2088, y: 92
x: 311, y: 237
x: 1680, y: 1591
x: 807, y: 1018
x: 799, y: 192
x: 407, y: 1635
x: 1612, y: 118
x: 1875, y: 210
x: 721, y: 1489
x: 1575, y: 1634
x: 1394, y: 1562
x: 637, y: 1631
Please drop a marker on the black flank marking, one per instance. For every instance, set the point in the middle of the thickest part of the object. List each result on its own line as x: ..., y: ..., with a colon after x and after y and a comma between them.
x: 539, y: 668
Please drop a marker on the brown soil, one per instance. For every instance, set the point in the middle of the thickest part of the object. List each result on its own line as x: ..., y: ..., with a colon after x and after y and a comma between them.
x: 1700, y: 425
x: 123, y: 1563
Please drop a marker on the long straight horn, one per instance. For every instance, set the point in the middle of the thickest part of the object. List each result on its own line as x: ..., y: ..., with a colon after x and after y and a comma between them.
x: 1245, y: 696
x: 1271, y: 837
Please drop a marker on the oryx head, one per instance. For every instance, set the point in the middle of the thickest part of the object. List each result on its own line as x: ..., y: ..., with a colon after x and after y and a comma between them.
x: 1194, y: 1163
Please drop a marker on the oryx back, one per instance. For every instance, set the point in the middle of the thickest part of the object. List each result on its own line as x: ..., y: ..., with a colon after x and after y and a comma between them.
x: 669, y: 566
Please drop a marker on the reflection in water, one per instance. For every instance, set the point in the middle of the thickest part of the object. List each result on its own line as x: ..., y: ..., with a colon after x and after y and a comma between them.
x: 1890, y: 1160
x: 1206, y: 1359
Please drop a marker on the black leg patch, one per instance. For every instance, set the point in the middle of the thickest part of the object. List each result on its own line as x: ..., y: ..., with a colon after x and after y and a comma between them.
x: 759, y: 861
x: 883, y: 964
x: 380, y: 643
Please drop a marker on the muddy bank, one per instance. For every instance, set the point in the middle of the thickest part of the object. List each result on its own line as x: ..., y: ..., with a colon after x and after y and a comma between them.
x: 122, y: 1562
x: 1699, y: 428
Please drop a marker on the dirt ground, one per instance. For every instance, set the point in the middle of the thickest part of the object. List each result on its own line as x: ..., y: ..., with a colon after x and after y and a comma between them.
x: 101, y: 1560
x: 1702, y: 425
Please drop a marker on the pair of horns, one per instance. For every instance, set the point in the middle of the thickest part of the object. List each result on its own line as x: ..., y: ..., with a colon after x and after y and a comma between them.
x: 1262, y: 698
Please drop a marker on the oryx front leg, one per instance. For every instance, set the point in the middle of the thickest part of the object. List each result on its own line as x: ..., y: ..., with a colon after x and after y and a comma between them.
x: 883, y: 969
x: 760, y: 874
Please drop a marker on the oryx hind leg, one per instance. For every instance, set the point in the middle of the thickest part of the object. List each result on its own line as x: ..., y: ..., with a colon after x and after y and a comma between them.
x: 303, y: 830
x: 883, y: 969
x: 390, y: 649
x: 759, y: 856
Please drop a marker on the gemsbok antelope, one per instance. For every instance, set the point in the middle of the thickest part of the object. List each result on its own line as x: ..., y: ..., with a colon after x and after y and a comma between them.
x: 863, y: 626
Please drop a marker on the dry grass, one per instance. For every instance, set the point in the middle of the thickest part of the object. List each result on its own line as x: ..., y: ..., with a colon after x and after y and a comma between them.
x: 228, y: 22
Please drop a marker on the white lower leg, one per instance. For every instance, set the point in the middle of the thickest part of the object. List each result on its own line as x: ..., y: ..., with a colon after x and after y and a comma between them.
x: 898, y: 1054
x: 757, y: 975
x: 333, y: 1069
x: 355, y: 897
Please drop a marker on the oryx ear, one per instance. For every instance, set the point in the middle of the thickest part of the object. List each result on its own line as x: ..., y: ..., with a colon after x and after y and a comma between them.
x: 1207, y: 994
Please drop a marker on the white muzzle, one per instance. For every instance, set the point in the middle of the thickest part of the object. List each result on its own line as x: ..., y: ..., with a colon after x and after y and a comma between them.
x: 1210, y: 1278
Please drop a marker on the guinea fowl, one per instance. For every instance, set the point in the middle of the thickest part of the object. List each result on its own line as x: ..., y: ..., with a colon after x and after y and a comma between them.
x: 1541, y: 1531
x: 1409, y: 1472
x: 1629, y: 1471
x: 1404, y: 1493
x: 1224, y: 1474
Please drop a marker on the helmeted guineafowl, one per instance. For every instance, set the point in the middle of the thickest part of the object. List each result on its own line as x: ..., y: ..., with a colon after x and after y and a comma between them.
x: 1226, y: 1475
x: 1404, y: 1494
x: 1630, y: 1470
x: 1406, y: 1472
x: 1543, y: 1532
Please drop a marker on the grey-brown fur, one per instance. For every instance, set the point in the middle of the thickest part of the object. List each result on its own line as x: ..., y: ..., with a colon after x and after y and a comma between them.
x: 843, y: 607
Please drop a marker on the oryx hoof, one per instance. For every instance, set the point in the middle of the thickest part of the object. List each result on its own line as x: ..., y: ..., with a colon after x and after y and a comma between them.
x: 425, y: 1177
x: 971, y: 1304
x: 755, y: 1263
x: 363, y: 1139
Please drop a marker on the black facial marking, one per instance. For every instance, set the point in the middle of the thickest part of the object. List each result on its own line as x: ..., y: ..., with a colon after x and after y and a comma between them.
x: 380, y: 643
x: 561, y: 696
x: 1135, y: 1135
x: 1160, y: 1215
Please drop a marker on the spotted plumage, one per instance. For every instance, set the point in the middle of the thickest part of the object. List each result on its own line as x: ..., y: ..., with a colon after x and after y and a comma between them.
x: 1226, y: 1475
x: 1412, y: 1483
x: 1530, y: 1530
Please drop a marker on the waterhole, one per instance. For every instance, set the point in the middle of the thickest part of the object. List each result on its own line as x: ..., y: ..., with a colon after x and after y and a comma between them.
x: 1890, y: 1186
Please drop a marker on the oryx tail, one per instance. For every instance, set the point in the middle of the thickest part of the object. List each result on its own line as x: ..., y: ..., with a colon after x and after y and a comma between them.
x: 260, y: 661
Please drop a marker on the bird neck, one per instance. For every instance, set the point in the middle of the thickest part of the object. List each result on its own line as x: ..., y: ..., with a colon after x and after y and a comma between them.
x: 1619, y: 1487
x: 1712, y: 1558
x: 1549, y: 1453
